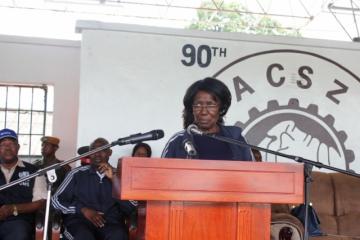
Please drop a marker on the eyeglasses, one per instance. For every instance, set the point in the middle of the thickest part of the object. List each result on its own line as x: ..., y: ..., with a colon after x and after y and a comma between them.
x: 210, y: 107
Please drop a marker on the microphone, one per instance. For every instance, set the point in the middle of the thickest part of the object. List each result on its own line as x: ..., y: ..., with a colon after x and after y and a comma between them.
x: 189, y: 148
x: 139, y: 137
x: 188, y: 144
x: 193, y: 129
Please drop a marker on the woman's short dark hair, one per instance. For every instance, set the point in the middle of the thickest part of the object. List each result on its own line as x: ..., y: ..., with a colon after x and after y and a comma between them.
x: 212, y: 86
x: 144, y: 145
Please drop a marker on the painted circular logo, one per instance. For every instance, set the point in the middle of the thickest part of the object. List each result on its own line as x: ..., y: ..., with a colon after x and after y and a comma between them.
x: 294, y: 102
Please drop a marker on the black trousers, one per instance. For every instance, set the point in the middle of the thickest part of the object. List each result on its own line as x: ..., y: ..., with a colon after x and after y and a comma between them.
x: 17, y: 229
x: 81, y: 229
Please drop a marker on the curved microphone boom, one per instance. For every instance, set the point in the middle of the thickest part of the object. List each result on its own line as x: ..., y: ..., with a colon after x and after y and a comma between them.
x: 139, y: 137
x: 193, y: 129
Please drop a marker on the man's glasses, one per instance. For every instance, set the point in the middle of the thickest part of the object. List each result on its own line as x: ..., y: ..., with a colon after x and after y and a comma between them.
x: 210, y: 107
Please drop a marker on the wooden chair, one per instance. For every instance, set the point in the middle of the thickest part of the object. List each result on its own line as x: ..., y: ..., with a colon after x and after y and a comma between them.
x: 55, y: 222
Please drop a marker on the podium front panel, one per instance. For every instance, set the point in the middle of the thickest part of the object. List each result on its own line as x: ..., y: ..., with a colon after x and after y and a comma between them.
x: 178, y: 220
x: 209, y: 200
x: 214, y: 181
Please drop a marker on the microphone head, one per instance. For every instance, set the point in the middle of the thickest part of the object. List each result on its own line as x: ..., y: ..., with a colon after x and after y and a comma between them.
x: 190, y: 128
x: 140, y: 137
x: 193, y: 129
x: 157, y: 134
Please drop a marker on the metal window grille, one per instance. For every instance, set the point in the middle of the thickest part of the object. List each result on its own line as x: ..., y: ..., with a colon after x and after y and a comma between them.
x: 26, y: 110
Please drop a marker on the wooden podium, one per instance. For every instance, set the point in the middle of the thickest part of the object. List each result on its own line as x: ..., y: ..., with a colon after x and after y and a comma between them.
x: 209, y: 200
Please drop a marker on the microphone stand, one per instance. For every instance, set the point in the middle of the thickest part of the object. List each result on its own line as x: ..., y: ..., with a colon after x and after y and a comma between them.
x: 51, y: 176
x: 190, y: 156
x: 308, y: 165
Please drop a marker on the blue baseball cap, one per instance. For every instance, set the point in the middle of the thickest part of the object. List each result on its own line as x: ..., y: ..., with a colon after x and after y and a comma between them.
x: 8, y: 133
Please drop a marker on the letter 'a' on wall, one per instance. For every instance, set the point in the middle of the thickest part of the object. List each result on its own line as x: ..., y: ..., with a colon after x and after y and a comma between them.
x: 295, y: 96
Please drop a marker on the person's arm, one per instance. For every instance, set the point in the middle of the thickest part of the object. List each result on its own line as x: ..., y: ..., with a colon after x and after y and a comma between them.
x: 30, y: 207
x: 248, y: 153
x: 236, y: 133
x: 95, y: 217
x: 38, y: 201
x: 12, y: 209
x: 170, y: 149
x: 107, y: 169
x: 65, y: 198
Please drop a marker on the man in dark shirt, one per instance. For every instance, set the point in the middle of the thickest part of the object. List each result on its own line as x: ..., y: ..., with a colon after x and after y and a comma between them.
x: 49, y: 146
x: 19, y: 202
x: 85, y: 198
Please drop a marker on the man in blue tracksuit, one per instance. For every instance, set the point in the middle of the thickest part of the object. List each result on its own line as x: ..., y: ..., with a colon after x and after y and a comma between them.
x: 85, y: 199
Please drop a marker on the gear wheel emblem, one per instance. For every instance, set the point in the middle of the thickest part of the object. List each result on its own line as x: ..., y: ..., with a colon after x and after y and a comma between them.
x: 297, y: 131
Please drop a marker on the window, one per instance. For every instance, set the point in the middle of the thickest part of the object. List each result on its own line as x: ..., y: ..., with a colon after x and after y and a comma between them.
x: 28, y: 110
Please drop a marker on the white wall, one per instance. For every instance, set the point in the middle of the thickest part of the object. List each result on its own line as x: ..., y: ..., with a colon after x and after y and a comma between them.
x: 133, y: 79
x: 43, y: 61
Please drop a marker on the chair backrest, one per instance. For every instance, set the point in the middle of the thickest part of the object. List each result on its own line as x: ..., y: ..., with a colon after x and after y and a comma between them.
x: 322, y: 197
x: 322, y: 194
x: 347, y: 194
x: 347, y: 203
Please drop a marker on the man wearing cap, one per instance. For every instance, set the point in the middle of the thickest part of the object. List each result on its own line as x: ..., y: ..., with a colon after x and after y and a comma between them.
x: 49, y: 147
x: 19, y: 202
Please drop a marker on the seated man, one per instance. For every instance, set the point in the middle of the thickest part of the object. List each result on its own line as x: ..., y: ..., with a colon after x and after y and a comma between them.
x: 49, y: 147
x: 85, y: 199
x: 19, y: 202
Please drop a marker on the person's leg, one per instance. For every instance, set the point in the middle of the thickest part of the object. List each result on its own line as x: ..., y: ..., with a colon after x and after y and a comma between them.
x: 114, y: 232
x: 79, y: 230
x: 16, y: 229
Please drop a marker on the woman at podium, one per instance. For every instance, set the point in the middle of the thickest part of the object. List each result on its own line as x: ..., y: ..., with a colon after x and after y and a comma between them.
x: 206, y: 102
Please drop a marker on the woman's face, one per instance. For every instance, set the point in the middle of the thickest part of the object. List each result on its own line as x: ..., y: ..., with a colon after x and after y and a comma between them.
x: 206, y: 110
x: 141, y: 152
